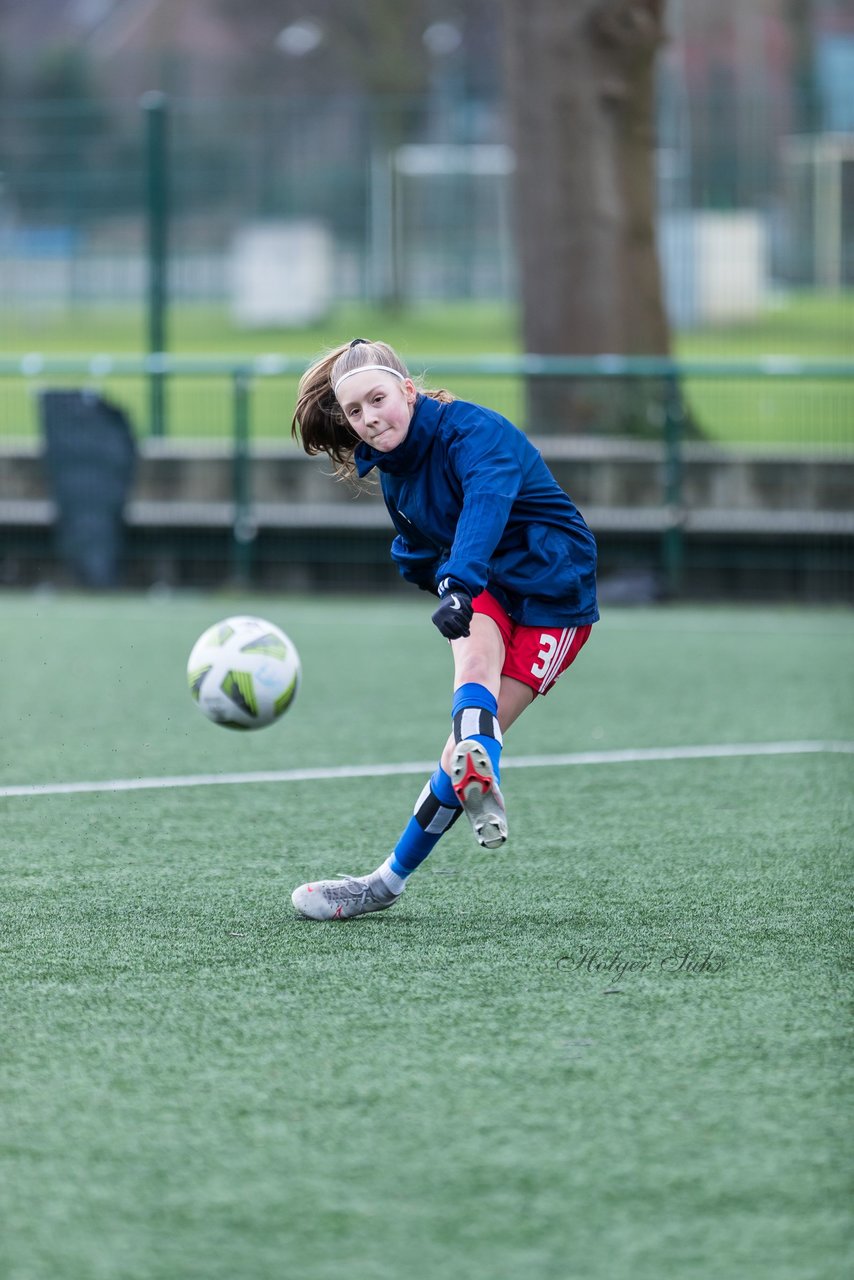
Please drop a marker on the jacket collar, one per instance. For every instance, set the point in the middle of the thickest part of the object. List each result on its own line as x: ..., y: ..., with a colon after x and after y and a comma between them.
x: 412, y: 450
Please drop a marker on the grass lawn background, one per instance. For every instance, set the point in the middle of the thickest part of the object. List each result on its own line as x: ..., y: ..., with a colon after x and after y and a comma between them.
x: 814, y: 413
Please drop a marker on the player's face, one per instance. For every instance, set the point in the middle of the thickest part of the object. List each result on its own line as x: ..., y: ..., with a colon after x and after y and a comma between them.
x: 378, y: 406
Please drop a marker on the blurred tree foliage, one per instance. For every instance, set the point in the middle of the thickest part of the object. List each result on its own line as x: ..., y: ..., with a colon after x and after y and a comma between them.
x: 378, y: 47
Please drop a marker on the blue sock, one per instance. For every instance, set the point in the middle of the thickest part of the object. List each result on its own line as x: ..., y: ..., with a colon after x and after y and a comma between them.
x: 475, y: 712
x: 436, y: 809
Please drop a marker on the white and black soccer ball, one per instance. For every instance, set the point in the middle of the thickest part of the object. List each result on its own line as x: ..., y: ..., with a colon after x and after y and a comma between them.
x: 244, y: 673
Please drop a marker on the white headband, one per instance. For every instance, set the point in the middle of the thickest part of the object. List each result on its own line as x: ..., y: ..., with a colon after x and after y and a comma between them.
x: 386, y: 368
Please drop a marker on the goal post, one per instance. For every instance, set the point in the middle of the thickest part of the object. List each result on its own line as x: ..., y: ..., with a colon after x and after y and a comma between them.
x: 440, y: 222
x: 818, y: 173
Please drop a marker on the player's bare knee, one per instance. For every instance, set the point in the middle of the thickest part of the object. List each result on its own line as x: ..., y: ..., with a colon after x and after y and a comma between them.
x: 477, y: 667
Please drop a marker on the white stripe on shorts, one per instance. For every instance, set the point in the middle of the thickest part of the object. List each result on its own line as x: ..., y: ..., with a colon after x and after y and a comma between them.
x: 563, y: 646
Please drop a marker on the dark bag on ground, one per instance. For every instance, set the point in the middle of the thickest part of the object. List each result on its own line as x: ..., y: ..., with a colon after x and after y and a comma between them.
x: 90, y: 455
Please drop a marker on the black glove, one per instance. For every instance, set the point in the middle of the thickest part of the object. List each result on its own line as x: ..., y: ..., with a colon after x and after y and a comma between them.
x: 455, y: 612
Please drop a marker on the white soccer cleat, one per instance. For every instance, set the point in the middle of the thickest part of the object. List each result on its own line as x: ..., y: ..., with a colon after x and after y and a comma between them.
x: 343, y: 898
x: 474, y: 782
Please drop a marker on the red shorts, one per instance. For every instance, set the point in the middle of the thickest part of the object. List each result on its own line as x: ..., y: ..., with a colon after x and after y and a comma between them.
x: 536, y: 656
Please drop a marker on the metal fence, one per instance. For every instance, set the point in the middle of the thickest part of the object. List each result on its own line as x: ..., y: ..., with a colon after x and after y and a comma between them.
x: 381, y: 201
x: 773, y: 402
x: 225, y: 501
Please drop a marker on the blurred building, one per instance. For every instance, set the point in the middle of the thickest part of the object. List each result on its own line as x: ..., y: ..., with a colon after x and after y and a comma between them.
x: 381, y: 144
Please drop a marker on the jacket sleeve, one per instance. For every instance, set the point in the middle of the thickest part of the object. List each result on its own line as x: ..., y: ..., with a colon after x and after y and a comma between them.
x: 490, y: 474
x: 415, y: 564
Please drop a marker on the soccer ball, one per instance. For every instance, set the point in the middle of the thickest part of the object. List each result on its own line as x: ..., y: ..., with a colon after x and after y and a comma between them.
x: 244, y: 673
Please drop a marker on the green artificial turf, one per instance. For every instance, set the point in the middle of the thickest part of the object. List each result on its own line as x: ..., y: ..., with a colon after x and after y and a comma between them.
x: 196, y: 1084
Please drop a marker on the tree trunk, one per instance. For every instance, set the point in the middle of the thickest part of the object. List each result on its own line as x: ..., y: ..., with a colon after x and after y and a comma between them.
x: 582, y: 104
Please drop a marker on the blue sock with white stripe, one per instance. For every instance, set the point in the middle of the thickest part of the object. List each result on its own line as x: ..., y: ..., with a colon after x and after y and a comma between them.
x: 436, y: 809
x: 474, y: 712
x: 475, y: 715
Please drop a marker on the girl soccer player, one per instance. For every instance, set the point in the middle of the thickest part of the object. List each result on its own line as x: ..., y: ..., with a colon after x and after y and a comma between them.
x: 482, y: 523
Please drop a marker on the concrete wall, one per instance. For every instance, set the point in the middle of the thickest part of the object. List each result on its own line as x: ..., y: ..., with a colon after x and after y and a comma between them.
x: 600, y: 473
x: 749, y: 525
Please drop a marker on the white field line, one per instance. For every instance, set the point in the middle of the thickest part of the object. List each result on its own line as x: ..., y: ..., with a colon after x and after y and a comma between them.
x: 629, y: 755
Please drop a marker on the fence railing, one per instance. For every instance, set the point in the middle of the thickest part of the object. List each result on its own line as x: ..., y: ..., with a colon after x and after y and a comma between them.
x: 35, y: 363
x: 159, y: 368
x: 667, y: 444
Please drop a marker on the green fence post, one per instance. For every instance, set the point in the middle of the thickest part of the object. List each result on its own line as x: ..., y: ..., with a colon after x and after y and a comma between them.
x: 672, y: 542
x: 243, y: 527
x: 154, y: 106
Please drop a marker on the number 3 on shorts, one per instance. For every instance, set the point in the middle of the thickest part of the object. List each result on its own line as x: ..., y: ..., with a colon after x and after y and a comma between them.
x: 549, y: 644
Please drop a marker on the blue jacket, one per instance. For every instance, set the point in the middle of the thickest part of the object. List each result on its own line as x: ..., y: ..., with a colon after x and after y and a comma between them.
x: 472, y: 499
